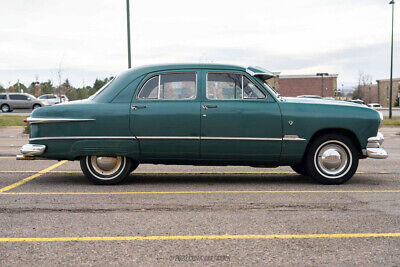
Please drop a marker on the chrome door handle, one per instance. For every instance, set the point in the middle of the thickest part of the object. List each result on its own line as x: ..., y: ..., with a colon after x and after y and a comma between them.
x: 209, y: 106
x: 135, y: 107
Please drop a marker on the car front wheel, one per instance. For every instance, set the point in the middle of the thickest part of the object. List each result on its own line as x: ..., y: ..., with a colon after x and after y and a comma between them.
x: 103, y: 170
x: 332, y: 159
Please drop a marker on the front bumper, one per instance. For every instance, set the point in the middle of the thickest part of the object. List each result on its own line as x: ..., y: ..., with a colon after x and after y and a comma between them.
x: 374, y: 148
x: 31, y: 151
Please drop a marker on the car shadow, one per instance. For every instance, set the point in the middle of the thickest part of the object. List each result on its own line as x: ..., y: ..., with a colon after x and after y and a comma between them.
x: 209, y: 179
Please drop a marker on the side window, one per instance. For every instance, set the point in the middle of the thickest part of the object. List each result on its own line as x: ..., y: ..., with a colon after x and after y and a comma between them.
x: 2, y: 96
x: 225, y: 86
x: 229, y: 86
x: 171, y: 86
x: 18, y: 97
x: 250, y: 90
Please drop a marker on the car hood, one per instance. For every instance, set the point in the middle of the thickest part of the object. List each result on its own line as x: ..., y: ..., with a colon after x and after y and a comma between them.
x: 320, y: 101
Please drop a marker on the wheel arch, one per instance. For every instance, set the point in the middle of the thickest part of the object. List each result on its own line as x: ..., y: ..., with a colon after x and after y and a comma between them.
x: 348, y: 133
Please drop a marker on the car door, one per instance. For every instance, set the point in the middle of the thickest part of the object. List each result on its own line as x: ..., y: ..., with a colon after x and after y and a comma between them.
x: 18, y: 100
x: 165, y: 116
x: 240, y: 121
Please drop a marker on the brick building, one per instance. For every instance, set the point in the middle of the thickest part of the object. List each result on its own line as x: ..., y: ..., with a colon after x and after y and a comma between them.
x: 383, y: 91
x: 295, y: 85
x: 379, y: 92
x: 370, y: 93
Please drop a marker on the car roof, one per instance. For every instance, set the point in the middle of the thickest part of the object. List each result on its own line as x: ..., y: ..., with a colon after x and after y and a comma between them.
x: 140, y: 70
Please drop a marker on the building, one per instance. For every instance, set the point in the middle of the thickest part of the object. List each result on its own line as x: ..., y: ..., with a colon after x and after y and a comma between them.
x: 295, y: 85
x: 383, y: 91
x: 369, y: 93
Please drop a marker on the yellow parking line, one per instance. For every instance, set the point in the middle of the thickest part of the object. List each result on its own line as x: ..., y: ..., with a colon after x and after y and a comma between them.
x: 14, y: 185
x: 195, y: 172
x: 203, y: 192
x: 194, y: 237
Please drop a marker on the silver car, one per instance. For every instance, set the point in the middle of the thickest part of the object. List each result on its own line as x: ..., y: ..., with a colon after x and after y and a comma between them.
x: 11, y: 101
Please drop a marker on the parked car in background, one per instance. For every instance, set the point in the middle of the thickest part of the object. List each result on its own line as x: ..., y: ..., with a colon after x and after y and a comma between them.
x: 64, y: 99
x: 374, y: 105
x: 357, y: 101
x: 11, y: 101
x: 204, y: 114
x: 310, y: 96
x: 50, y: 99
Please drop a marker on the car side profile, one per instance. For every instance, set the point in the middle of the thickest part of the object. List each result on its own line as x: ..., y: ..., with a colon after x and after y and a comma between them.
x: 204, y: 114
x: 50, y: 99
x: 11, y: 101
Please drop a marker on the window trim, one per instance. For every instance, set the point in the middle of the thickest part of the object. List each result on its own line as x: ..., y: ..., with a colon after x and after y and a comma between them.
x: 159, y: 87
x: 238, y: 99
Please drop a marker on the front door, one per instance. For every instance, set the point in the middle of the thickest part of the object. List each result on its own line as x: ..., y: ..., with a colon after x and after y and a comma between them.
x: 165, y: 116
x: 240, y: 122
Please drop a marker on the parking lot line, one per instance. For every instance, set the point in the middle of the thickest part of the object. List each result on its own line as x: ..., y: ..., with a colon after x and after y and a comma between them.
x: 195, y: 172
x: 14, y: 185
x: 195, y: 237
x: 203, y: 192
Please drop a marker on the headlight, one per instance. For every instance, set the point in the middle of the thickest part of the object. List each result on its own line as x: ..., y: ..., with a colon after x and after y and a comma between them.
x: 381, y: 117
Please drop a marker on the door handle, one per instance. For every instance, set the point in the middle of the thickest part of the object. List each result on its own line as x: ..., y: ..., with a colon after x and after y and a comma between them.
x: 209, y: 106
x: 135, y: 107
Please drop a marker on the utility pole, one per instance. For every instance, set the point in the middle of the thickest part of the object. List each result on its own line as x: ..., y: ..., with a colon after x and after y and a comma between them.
x: 322, y: 82
x: 128, y: 26
x: 391, y: 64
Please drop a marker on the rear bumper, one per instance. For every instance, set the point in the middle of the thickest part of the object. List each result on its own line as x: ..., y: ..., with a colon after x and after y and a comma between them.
x: 374, y: 148
x: 31, y: 151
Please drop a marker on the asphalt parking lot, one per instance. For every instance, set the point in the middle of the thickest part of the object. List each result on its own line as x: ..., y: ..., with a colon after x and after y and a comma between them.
x: 50, y: 214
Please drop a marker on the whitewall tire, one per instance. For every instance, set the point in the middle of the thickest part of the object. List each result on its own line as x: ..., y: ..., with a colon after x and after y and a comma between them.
x: 105, y: 170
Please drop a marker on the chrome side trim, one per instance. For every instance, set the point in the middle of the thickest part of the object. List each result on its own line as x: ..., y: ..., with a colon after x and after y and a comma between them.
x: 50, y: 120
x: 80, y: 137
x: 286, y: 138
x: 169, y: 137
x: 293, y: 138
x: 241, y: 138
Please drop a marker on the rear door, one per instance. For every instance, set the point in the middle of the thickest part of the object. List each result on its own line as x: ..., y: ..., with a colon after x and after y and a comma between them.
x: 240, y: 121
x: 18, y: 100
x: 165, y: 116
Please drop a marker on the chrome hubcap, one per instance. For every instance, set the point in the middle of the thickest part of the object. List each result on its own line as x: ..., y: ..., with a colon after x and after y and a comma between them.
x: 4, y: 108
x: 332, y: 159
x: 106, y: 165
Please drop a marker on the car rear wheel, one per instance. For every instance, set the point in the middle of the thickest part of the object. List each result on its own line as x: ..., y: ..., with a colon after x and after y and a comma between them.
x: 332, y: 159
x: 36, y: 106
x: 104, y: 170
x: 5, y: 108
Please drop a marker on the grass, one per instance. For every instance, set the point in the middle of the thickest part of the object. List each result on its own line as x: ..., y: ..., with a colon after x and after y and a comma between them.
x: 11, y: 120
x: 394, y: 121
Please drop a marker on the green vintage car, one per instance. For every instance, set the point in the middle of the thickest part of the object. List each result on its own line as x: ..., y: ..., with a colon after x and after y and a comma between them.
x: 204, y: 114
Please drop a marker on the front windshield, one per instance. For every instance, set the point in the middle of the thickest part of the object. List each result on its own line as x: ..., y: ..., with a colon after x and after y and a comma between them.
x: 101, y: 89
x: 270, y: 88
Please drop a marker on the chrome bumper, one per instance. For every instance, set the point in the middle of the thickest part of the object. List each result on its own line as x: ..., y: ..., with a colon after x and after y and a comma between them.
x: 374, y: 149
x: 31, y: 151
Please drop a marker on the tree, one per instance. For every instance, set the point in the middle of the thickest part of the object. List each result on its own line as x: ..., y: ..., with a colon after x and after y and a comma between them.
x: 363, y: 81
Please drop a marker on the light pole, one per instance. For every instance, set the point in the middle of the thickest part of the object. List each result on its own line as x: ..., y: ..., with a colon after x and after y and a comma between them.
x: 128, y: 26
x: 391, y: 64
x: 322, y: 82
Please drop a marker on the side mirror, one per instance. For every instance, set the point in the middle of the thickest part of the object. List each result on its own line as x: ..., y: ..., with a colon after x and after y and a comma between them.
x: 29, y: 98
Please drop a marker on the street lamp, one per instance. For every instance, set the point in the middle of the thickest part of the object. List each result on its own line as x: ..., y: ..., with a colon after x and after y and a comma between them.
x: 322, y: 81
x: 391, y: 64
x: 128, y: 26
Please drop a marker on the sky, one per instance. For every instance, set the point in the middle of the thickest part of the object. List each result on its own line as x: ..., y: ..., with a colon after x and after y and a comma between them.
x: 86, y: 39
